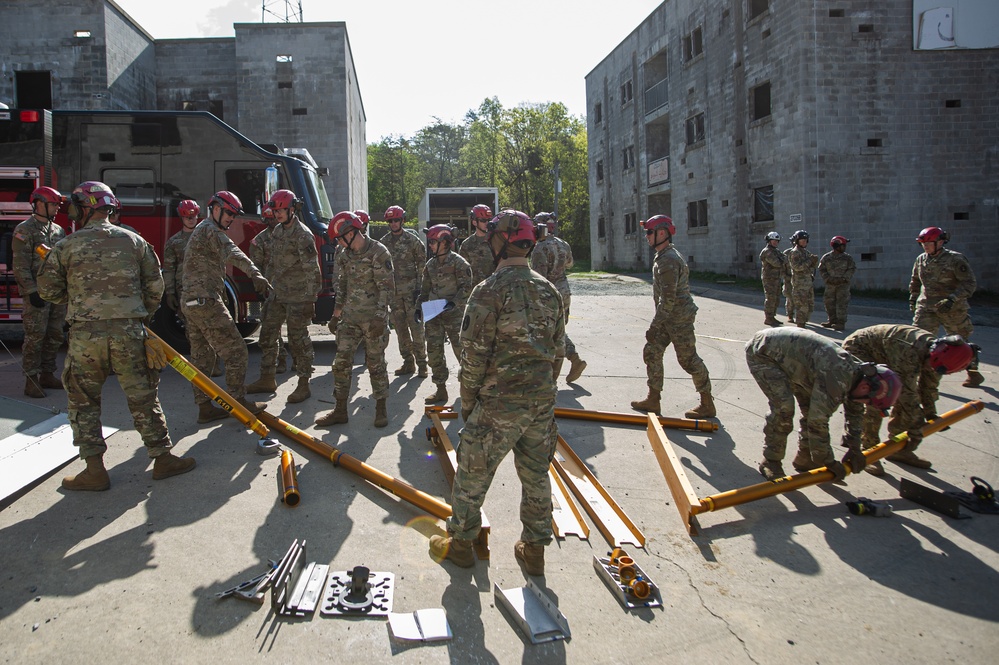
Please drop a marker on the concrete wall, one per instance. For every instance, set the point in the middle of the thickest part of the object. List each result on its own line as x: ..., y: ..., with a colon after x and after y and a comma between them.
x: 860, y: 141
x: 197, y: 71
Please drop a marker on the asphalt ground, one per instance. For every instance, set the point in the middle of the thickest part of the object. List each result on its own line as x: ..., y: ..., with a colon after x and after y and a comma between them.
x: 129, y: 574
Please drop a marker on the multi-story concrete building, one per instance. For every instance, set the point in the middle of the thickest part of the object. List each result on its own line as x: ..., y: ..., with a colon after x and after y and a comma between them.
x: 284, y: 84
x: 841, y: 117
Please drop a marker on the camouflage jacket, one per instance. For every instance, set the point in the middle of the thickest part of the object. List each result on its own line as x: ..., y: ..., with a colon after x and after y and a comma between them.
x: 475, y: 250
x: 409, y: 256
x: 837, y: 268
x: 365, y: 284
x: 513, y: 330
x: 260, y: 251
x: 102, y: 272
x: 802, y: 262
x: 294, y: 263
x: 947, y: 274
x: 552, y: 256
x: 773, y: 264
x: 787, y: 262
x: 449, y: 278
x: 173, y: 259
x: 28, y: 235
x: 209, y: 251
x: 671, y: 287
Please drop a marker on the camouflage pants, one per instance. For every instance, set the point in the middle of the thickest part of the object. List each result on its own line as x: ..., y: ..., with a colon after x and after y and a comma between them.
x: 570, y: 348
x: 771, y: 297
x: 779, y: 420
x: 298, y: 317
x: 42, y: 337
x: 788, y: 299
x: 374, y: 333
x: 443, y: 325
x: 412, y: 343
x: 497, y: 426
x: 803, y: 295
x: 211, y: 331
x: 837, y: 301
x: 902, y: 419
x: 678, y: 331
x: 955, y: 322
x: 96, y: 349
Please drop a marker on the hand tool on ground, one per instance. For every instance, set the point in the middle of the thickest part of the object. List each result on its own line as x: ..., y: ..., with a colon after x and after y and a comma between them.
x: 243, y: 587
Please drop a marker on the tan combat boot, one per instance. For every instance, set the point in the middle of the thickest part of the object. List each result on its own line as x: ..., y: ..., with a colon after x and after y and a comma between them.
x: 32, y: 388
x: 531, y: 555
x: 301, y: 392
x: 168, y: 465
x: 575, y: 368
x: 456, y: 550
x: 408, y: 367
x: 207, y: 413
x: 381, y: 417
x: 802, y: 462
x: 650, y: 403
x: 422, y: 370
x: 974, y: 379
x: 438, y: 397
x: 265, y: 384
x: 338, y: 415
x: 252, y: 407
x: 771, y: 321
x: 910, y: 458
x: 282, y: 364
x: 93, y: 479
x: 49, y: 380
x: 771, y: 469
x: 706, y: 409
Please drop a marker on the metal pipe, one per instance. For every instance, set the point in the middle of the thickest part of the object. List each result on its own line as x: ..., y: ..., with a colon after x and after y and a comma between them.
x: 289, y: 480
x: 635, y: 419
x: 814, y: 477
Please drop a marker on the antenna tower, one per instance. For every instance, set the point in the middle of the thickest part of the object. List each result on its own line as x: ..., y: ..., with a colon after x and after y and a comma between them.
x: 281, y: 11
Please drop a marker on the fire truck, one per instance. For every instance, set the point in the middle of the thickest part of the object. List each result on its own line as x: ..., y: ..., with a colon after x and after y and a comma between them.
x: 152, y: 160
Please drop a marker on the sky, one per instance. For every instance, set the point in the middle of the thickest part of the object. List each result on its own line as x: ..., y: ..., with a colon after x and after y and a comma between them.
x: 439, y: 58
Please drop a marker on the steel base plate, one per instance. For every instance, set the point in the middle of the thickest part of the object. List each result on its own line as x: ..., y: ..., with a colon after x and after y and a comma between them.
x: 381, y: 587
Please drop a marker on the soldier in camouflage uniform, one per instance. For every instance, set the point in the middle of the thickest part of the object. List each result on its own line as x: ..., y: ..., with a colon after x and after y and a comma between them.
x: 673, y: 322
x: 773, y: 267
x: 788, y: 296
x: 43, y: 321
x: 797, y: 365
x: 942, y: 281
x: 474, y: 248
x: 920, y: 361
x: 448, y: 277
x: 511, y: 335
x: 836, y: 269
x: 409, y: 256
x: 260, y: 255
x: 111, y: 281
x: 340, y: 258
x: 293, y: 266
x: 803, y: 264
x: 551, y: 258
x: 210, y: 328
x: 365, y: 286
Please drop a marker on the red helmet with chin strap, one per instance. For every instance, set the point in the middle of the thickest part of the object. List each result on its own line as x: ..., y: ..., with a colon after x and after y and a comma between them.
x: 516, y: 226
x: 659, y: 221
x: 395, y: 212
x: 227, y: 201
x: 932, y: 234
x: 188, y: 207
x: 283, y: 199
x: 885, y: 386
x: 343, y: 222
x: 440, y: 232
x: 47, y: 195
x: 838, y: 240
x: 481, y: 212
x: 93, y: 194
x: 363, y: 216
x: 951, y: 354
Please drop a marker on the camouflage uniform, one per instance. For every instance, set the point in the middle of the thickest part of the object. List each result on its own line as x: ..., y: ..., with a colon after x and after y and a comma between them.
x: 673, y: 322
x: 937, y: 278
x: 791, y: 364
x: 448, y: 278
x: 836, y: 270
x: 111, y: 280
x: 365, y: 286
x: 173, y: 260
x: 475, y: 250
x: 803, y: 264
x: 409, y: 257
x: 42, y: 325
x: 552, y: 256
x: 260, y: 255
x: 292, y: 267
x: 512, y: 332
x: 210, y: 328
x: 905, y: 349
x: 788, y: 296
x: 773, y: 268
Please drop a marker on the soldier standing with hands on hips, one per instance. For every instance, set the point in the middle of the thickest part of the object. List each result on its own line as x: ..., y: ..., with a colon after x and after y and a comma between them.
x: 409, y: 256
x: 836, y: 269
x: 773, y: 266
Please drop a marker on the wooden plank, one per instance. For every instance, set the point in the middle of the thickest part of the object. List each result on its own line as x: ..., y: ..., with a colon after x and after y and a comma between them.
x: 684, y: 497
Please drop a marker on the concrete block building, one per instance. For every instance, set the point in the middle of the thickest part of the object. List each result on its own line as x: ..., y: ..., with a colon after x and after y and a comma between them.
x: 740, y: 117
x: 292, y: 85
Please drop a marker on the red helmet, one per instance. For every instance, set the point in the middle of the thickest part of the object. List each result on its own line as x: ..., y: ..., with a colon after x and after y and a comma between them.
x: 188, y: 208
x: 932, y: 234
x: 344, y: 221
x: 516, y: 226
x: 838, y: 240
x: 394, y: 212
x: 481, y: 212
x: 283, y: 199
x: 47, y: 195
x: 440, y: 232
x: 227, y: 201
x: 885, y: 387
x: 363, y: 216
x: 93, y: 194
x: 653, y: 223
x: 951, y: 354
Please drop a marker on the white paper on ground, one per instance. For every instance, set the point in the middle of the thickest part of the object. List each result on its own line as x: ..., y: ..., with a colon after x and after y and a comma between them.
x: 422, y: 625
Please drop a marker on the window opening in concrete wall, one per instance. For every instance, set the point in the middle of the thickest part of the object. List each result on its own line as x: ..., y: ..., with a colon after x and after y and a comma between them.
x: 697, y: 214
x: 961, y: 216
x: 761, y: 101
x: 695, y: 128
x: 627, y: 92
x: 693, y: 44
x: 215, y: 108
x: 601, y: 228
x: 763, y: 204
x: 284, y: 85
x: 188, y: 105
x: 865, y: 27
x: 953, y: 103
x: 757, y: 7
x: 600, y: 170
x: 874, y: 143
x: 300, y: 111
x: 81, y: 34
x: 34, y: 89
x: 766, y: 33
x: 628, y: 157
x: 837, y: 13
x: 598, y: 113
x: 868, y: 256
x: 656, y: 71
x: 284, y: 58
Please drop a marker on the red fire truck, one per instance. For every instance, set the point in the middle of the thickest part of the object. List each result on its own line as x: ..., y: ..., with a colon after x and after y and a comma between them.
x: 153, y: 160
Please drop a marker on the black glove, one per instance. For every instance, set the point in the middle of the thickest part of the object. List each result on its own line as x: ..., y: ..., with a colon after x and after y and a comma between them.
x: 945, y: 305
x: 173, y: 302
x: 36, y: 300
x: 838, y: 470
x: 448, y: 306
x: 855, y: 459
x: 416, y: 296
x: 418, y: 314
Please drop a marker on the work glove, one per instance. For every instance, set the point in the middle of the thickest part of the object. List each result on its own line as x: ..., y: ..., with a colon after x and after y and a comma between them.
x: 155, y: 354
x: 855, y: 459
x: 173, y: 302
x: 418, y: 314
x: 332, y: 325
x: 262, y: 286
x: 448, y: 306
x: 838, y: 470
x: 36, y: 300
x: 912, y: 304
x: 945, y: 305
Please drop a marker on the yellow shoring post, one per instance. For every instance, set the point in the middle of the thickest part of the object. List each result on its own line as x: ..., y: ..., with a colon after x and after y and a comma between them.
x: 635, y: 419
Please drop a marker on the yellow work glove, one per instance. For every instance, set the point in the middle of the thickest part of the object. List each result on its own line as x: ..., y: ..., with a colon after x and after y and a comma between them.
x: 156, y: 357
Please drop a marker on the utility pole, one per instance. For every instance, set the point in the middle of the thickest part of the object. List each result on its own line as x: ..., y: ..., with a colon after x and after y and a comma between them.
x: 276, y: 7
